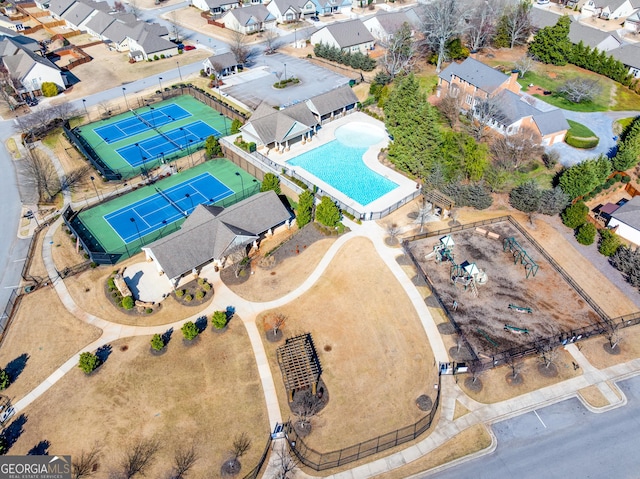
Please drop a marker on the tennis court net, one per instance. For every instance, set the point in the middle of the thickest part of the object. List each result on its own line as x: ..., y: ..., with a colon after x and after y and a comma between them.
x: 166, y: 137
x: 171, y: 202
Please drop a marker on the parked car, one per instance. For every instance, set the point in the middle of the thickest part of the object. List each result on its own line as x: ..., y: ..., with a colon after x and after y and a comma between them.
x: 543, y: 2
x: 189, y: 47
x: 314, y: 18
x: 180, y: 46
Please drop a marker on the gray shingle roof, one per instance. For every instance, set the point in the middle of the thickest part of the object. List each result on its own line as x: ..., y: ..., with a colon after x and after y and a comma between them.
x: 541, y: 18
x: 392, y: 21
x: 629, y: 213
x: 629, y: 54
x: 244, y: 15
x: 280, y: 125
x: 151, y: 43
x: 350, y: 33
x: 77, y: 13
x: 219, y: 3
x: 209, y: 232
x: 284, y: 5
x: 58, y: 7
x: 515, y: 108
x: 587, y: 35
x: 100, y: 21
x: 476, y: 73
x: 549, y: 122
x: 332, y: 100
x: 223, y: 60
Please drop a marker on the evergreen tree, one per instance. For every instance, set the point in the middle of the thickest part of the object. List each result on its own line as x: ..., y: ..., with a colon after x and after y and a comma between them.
x: 575, y: 215
x: 582, y: 178
x: 327, y: 213
x: 526, y: 197
x: 628, y: 148
x: 553, y: 201
x: 609, y: 242
x: 586, y: 234
x: 414, y: 124
x: 270, y: 182
x: 305, y: 208
x: 552, y: 44
x: 478, y: 196
x: 212, y: 147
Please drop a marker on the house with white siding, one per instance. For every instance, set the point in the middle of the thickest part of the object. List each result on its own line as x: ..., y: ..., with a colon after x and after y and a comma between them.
x: 350, y: 36
x: 626, y: 220
x: 249, y: 19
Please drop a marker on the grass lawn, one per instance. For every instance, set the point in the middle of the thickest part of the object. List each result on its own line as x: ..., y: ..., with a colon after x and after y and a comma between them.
x: 622, y: 124
x: 579, y: 130
x: 208, y: 392
x: 541, y: 175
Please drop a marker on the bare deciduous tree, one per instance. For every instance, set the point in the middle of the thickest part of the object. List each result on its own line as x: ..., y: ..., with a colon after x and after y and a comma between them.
x: 517, y: 21
x: 482, y: 22
x: 400, y: 53
x: 134, y: 8
x: 393, y: 231
x: 176, y: 29
x: 118, y: 6
x: 86, y: 463
x: 524, y: 64
x: 238, y: 46
x: 441, y: 21
x: 39, y: 171
x: 484, y: 113
x: 276, y: 321
x: 138, y: 457
x: 76, y: 176
x: 613, y: 335
x: 271, y: 41
x: 548, y: 352
x: 515, y: 365
x: 424, y: 212
x: 285, y: 463
x: 511, y: 151
x: 241, y: 444
x: 579, y: 89
x: 449, y: 106
x: 183, y: 460
x: 237, y: 255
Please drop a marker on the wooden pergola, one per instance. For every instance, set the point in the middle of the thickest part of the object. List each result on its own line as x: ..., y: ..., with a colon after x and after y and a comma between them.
x: 438, y: 199
x: 299, y: 364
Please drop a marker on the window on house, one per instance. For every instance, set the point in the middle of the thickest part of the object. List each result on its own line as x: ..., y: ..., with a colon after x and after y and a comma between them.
x: 469, y: 100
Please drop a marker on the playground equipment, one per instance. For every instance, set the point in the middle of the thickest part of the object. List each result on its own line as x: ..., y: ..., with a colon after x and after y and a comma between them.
x: 468, y: 275
x: 443, y: 251
x: 520, y: 255
x: 487, y: 337
x: 520, y: 309
x: 513, y: 329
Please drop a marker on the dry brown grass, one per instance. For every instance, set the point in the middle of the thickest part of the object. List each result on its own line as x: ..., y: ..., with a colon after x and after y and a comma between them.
x: 629, y: 348
x: 88, y: 291
x: 284, y: 277
x: 63, y: 251
x: 495, y: 387
x: 473, y: 439
x: 45, y: 331
x: 206, y: 392
x: 374, y: 352
x: 593, y: 396
x: 460, y: 410
x: 36, y: 266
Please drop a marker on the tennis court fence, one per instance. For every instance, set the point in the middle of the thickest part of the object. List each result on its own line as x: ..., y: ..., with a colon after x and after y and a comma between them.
x: 85, y: 149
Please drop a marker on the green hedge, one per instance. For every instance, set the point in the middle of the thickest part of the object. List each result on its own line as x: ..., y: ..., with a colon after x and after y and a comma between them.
x: 583, y: 143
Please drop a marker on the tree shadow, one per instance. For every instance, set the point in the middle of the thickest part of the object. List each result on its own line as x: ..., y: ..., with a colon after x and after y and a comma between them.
x: 166, y: 336
x: 40, y: 449
x: 103, y: 353
x: 16, y: 366
x: 230, y: 312
x: 14, y: 430
x: 201, y: 323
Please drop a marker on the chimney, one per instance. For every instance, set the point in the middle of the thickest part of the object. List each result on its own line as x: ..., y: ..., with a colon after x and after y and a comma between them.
x: 473, y: 54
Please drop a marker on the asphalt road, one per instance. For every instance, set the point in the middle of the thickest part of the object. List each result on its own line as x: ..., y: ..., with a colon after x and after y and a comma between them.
x: 563, y: 441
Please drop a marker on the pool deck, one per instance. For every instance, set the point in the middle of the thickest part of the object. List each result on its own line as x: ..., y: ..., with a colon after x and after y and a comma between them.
x: 405, y: 188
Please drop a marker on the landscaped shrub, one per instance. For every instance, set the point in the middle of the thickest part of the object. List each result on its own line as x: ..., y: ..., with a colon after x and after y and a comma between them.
x: 283, y: 83
x: 187, y: 298
x: 88, y: 362
x: 49, y: 89
x: 199, y: 294
x: 206, y: 286
x: 180, y: 293
x: 189, y: 330
x: 111, y: 284
x: 156, y: 57
x: 609, y: 242
x: 327, y: 213
x: 219, y: 319
x: 128, y: 302
x: 575, y: 215
x: 355, y: 60
x: 626, y: 179
x: 270, y: 182
x: 157, y: 343
x: 246, y: 146
x: 201, y: 281
x: 583, y: 143
x: 148, y: 310
x: 5, y: 380
x: 586, y: 234
x: 235, y: 126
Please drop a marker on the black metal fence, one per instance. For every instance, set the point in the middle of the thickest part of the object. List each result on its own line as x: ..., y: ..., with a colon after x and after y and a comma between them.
x: 320, y: 461
x: 9, y: 310
x: 89, y: 153
x: 255, y: 472
x: 605, y: 326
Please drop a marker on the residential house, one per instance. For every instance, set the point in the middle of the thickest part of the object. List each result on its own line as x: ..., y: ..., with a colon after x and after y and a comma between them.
x: 211, y: 234
x: 472, y: 81
x: 333, y: 104
x: 384, y: 25
x: 250, y: 19
x: 609, y: 9
x: 221, y: 65
x: 28, y: 68
x: 12, y: 25
x: 626, y: 220
x: 98, y: 23
x: 629, y: 55
x: 350, y: 36
x: 286, y: 11
x: 216, y: 7
x: 279, y: 129
x: 594, y: 38
x: 116, y: 35
x: 144, y: 43
x: 632, y: 23
x: 58, y: 7
x: 329, y: 7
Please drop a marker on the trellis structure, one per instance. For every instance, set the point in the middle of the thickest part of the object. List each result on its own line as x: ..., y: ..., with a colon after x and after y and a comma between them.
x: 438, y: 199
x: 299, y: 364
x: 520, y: 255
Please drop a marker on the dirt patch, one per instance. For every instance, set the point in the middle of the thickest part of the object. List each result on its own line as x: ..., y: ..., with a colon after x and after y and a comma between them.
x: 175, y: 397
x: 284, y: 269
x: 555, y: 305
x: 40, y: 338
x: 375, y: 338
x: 593, y: 396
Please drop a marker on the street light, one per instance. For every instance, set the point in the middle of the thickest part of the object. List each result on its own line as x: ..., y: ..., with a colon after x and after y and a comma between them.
x: 160, y: 83
x: 133, y: 220
x: 224, y: 119
x: 84, y: 103
x: 125, y: 97
x: 179, y: 72
x: 93, y: 180
x: 188, y: 196
x: 153, y: 117
x: 285, y: 73
x: 241, y: 181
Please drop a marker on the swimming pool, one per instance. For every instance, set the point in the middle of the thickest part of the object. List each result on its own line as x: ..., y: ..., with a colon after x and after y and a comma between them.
x: 339, y: 163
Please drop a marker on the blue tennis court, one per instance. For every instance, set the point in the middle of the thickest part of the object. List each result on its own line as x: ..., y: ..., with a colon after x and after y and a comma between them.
x: 158, y: 146
x: 165, y: 207
x: 153, y: 118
